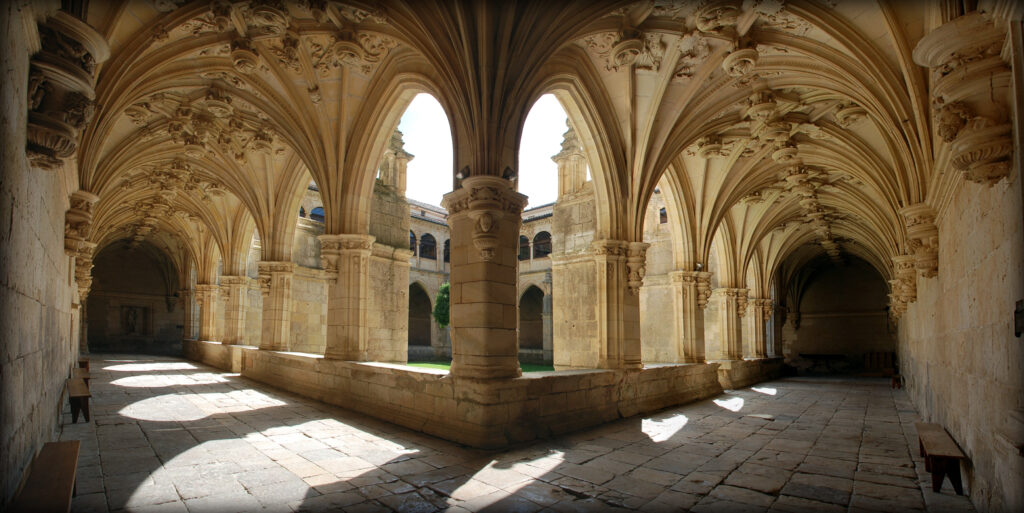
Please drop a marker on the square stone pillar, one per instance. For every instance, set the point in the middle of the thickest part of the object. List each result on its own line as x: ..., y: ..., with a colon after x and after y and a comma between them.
x: 276, y: 287
x: 234, y: 289
x: 207, y: 297
x: 692, y: 289
x: 734, y: 302
x: 620, y: 270
x: 484, y: 217
x: 757, y: 316
x: 189, y: 322
x: 545, y: 315
x: 348, y: 295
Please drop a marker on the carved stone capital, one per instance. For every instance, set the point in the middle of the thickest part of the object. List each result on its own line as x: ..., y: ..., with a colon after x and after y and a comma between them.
x: 83, y: 268
x: 274, y: 274
x: 923, y: 238
x: 334, y: 246
x: 484, y: 193
x: 207, y: 293
x: 61, y: 88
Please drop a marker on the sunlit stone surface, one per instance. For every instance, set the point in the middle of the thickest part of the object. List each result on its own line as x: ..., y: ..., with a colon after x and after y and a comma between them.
x: 175, y: 436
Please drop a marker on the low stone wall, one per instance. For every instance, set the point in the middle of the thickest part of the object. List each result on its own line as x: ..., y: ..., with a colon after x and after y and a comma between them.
x: 487, y: 414
x: 734, y: 374
x: 215, y: 354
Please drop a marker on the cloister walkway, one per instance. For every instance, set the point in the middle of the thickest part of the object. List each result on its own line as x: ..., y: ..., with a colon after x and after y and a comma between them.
x: 172, y: 435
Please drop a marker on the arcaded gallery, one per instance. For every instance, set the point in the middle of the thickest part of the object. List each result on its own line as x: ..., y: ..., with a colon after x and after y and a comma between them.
x: 512, y: 255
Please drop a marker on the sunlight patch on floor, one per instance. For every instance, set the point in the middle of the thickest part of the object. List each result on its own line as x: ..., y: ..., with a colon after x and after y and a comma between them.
x: 764, y: 390
x: 150, y: 367
x: 659, y: 431
x: 733, y: 404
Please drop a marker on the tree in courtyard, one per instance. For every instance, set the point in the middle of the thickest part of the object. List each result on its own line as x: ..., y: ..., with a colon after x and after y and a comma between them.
x: 441, y: 306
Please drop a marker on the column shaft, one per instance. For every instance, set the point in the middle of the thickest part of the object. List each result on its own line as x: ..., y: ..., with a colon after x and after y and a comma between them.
x: 276, y: 287
x: 732, y: 329
x: 691, y: 299
x: 484, y: 217
x: 207, y: 295
x: 348, y: 256
x: 235, y: 290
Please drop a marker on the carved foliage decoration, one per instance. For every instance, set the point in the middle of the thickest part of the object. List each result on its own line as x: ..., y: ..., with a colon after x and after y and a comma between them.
x: 628, y: 49
x: 60, y: 88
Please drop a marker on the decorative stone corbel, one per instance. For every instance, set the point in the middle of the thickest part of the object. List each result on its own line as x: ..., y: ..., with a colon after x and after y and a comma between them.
x: 703, y: 288
x: 923, y: 238
x: 78, y: 221
x: 741, y: 61
x: 83, y: 269
x: 61, y: 88
x: 488, y: 201
x: 903, y: 286
x: 742, y: 301
x: 636, y: 265
x: 970, y: 94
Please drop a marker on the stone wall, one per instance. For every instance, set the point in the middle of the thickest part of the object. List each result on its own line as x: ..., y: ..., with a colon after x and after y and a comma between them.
x: 658, y: 323
x: 963, y: 366
x: 37, y: 347
x: 388, y: 315
x: 253, y: 314
x: 133, y: 307
x: 846, y: 324
x: 309, y: 310
x: 489, y: 413
x: 574, y: 312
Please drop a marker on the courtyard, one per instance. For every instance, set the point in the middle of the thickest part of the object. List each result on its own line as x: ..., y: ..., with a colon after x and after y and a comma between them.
x: 173, y: 435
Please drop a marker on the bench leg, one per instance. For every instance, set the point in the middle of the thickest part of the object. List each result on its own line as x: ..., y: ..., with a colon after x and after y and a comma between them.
x: 76, y: 405
x: 85, y: 408
x: 940, y: 467
x: 953, y: 468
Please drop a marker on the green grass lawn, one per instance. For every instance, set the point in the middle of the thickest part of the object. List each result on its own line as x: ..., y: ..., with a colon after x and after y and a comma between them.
x: 527, y: 367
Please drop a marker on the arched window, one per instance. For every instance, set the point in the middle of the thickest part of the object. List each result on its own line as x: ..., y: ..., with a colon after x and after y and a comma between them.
x: 302, y: 212
x: 524, y: 247
x: 412, y: 242
x: 662, y: 216
x: 447, y: 250
x: 428, y: 247
x: 317, y: 214
x: 541, y: 245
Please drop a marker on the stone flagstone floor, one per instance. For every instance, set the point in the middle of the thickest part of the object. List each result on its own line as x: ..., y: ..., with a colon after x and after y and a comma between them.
x: 172, y: 435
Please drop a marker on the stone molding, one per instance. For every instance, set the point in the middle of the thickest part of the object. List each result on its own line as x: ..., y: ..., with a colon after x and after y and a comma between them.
x: 61, y: 94
x: 923, y: 238
x: 487, y: 200
x: 970, y: 94
x: 274, y: 274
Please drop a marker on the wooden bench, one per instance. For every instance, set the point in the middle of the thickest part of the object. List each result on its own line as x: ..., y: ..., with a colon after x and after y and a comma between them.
x: 83, y: 362
x: 941, y: 455
x: 78, y: 395
x: 83, y: 374
x: 51, y: 479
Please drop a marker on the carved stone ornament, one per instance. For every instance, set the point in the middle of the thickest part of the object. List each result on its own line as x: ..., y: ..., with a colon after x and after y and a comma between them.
x: 60, y: 88
x: 636, y: 265
x: 741, y: 62
x: 694, y: 49
x: 274, y: 274
x: 333, y: 247
x: 484, y: 192
x: 903, y: 286
x: 78, y: 221
x: 717, y: 16
x: 83, y: 269
x: 627, y: 49
x: 849, y: 115
x: 485, y: 236
x: 923, y: 238
x: 970, y: 90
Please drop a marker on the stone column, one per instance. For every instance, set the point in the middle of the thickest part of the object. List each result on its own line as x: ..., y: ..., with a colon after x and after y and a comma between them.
x: 188, y: 323
x: 620, y: 271
x: 348, y: 296
x: 734, y: 303
x: 485, y: 215
x: 545, y: 315
x: 691, y: 292
x: 207, y: 296
x: 758, y: 315
x: 234, y: 289
x: 276, y: 286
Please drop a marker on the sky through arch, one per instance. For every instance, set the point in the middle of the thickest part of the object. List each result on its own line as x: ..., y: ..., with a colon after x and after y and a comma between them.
x: 427, y: 135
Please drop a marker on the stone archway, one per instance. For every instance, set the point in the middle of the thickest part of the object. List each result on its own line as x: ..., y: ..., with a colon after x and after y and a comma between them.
x: 134, y: 303
x: 419, y: 319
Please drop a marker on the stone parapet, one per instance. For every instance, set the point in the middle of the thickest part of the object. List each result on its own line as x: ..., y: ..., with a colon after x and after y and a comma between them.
x: 488, y: 413
x: 734, y: 374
